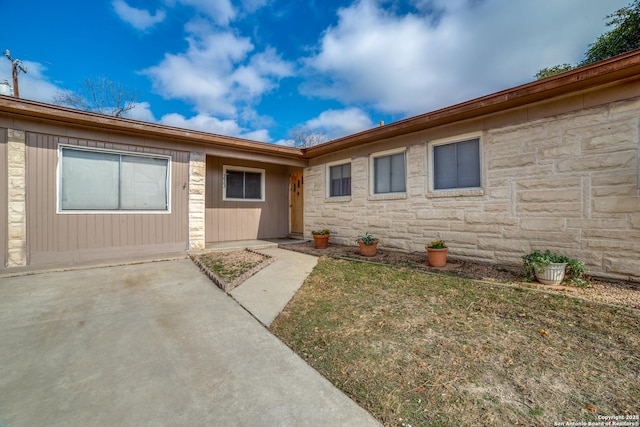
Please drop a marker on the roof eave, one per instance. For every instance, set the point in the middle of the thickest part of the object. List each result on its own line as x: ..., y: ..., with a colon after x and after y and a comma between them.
x: 614, y: 69
x: 37, y: 110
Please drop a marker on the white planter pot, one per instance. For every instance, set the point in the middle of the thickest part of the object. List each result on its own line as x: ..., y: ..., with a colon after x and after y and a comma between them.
x: 551, y: 274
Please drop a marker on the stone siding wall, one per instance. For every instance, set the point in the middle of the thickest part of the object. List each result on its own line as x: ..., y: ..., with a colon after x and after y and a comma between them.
x: 16, y: 202
x: 569, y: 183
x: 197, y: 175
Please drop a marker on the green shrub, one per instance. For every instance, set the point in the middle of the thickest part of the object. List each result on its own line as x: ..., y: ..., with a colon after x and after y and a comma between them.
x: 575, y: 272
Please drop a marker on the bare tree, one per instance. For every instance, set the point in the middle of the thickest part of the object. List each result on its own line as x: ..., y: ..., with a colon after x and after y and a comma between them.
x: 303, y: 137
x: 101, y: 95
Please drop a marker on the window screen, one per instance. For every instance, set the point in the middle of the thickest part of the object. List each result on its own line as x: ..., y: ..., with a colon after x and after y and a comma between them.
x: 340, y: 180
x: 104, y: 181
x: 389, y: 173
x: 242, y: 184
x: 456, y: 165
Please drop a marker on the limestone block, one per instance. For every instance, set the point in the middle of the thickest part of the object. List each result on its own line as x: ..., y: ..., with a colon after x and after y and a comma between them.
x: 624, y: 109
x: 627, y: 176
x: 510, y: 162
x: 613, y: 235
x: 532, y: 130
x: 616, y: 205
x: 447, y: 214
x: 605, y: 245
x: 535, y: 145
x: 500, y: 244
x: 597, y: 223
x: 618, y: 136
x: 550, y: 196
x: 14, y: 135
x: 495, y: 229
x: 581, y: 119
x: 543, y: 224
x: 617, y: 190
x: 568, y: 149
x: 622, y: 265
x: 565, y: 210
x: 493, y: 207
x: 492, y: 148
x: 489, y: 219
x: 597, y: 162
x: 548, y: 182
x: 559, y: 238
x: 521, y: 172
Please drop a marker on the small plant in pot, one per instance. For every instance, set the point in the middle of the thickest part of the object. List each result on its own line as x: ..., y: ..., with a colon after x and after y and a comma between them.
x: 437, y: 253
x: 321, y: 238
x: 368, y: 244
x: 550, y: 268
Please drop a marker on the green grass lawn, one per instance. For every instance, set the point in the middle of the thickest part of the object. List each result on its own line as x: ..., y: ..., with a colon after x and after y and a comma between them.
x: 423, y: 349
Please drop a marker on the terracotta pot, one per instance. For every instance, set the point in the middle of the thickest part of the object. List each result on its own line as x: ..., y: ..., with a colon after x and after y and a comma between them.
x: 437, y: 257
x: 321, y: 241
x: 368, y: 250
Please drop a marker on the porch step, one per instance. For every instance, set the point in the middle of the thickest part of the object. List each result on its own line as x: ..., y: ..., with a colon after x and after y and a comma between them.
x: 295, y: 236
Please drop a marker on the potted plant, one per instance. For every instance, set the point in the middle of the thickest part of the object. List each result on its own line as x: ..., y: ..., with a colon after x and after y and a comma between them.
x: 437, y: 253
x: 368, y: 244
x: 321, y: 238
x: 550, y: 268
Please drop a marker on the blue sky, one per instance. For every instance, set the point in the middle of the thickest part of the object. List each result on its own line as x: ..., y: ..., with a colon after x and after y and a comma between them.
x: 258, y: 68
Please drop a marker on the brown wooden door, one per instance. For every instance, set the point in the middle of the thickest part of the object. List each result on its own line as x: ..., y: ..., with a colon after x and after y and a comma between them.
x: 297, y: 202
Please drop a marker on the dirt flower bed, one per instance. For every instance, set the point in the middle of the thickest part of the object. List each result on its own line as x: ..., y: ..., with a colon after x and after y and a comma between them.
x: 609, y: 292
x: 230, y: 268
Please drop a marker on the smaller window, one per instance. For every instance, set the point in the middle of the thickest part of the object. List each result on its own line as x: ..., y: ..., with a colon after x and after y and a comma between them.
x: 456, y: 165
x: 243, y: 183
x: 340, y: 180
x: 389, y: 173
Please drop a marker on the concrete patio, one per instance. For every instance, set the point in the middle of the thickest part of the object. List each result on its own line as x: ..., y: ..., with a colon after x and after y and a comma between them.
x: 152, y: 343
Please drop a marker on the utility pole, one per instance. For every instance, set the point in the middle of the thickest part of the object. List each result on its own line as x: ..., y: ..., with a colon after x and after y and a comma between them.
x: 16, y: 67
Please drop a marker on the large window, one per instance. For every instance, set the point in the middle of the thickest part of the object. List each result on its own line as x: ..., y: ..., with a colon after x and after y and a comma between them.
x: 456, y: 165
x: 110, y: 181
x: 389, y: 173
x: 243, y: 183
x: 340, y: 180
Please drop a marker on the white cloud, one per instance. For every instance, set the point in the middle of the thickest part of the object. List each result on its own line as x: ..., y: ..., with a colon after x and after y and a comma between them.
x: 338, y: 123
x: 138, y: 18
x: 414, y: 63
x: 217, y: 73
x: 251, y: 6
x: 210, y: 124
x: 220, y: 11
x: 142, y: 112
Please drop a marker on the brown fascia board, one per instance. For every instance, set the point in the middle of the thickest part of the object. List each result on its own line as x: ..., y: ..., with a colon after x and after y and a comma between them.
x: 608, y: 71
x: 38, y: 110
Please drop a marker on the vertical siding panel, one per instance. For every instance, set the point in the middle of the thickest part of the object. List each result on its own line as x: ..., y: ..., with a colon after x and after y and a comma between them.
x: 69, y: 237
x: 246, y: 220
x: 82, y: 231
x: 49, y: 177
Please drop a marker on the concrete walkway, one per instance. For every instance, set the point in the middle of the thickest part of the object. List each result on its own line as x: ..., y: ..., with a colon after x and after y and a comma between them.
x: 155, y: 344
x: 267, y: 292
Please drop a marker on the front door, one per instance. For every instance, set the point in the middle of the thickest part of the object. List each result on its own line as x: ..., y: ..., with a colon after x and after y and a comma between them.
x: 296, y: 198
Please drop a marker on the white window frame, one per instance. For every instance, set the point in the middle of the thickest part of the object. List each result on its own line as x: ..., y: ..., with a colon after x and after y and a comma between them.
x: 243, y: 169
x: 59, y: 209
x: 452, y: 192
x: 372, y: 171
x: 328, y: 167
